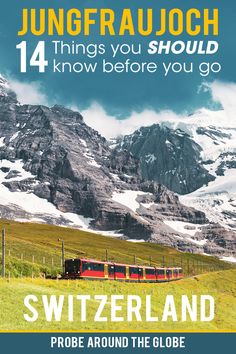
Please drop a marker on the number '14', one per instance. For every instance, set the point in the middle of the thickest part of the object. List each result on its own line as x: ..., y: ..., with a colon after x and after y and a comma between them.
x: 37, y: 58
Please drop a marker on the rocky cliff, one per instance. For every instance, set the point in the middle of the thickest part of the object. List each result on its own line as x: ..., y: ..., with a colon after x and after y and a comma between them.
x: 56, y: 169
x: 168, y: 156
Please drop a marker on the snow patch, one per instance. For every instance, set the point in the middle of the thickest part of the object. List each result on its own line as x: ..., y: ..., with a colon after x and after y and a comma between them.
x: 115, y: 177
x: 216, y: 200
x: 226, y: 183
x: 147, y: 205
x: 197, y: 242
x: 168, y: 142
x: 186, y: 229
x: 28, y: 201
x: 14, y: 136
x: 88, y: 155
x: 135, y: 241
x: 183, y: 227
x: 228, y: 259
x: 14, y: 166
x: 83, y: 142
x: 112, y: 233
x: 2, y: 141
x: 128, y: 198
x: 92, y: 162
x: 150, y: 158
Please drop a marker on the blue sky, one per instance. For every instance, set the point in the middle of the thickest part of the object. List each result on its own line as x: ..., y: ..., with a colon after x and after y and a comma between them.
x: 120, y: 94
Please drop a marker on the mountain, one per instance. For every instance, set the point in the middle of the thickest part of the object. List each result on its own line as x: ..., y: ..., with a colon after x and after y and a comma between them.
x: 218, y: 198
x: 56, y: 169
x: 215, y: 133
x: 168, y: 156
x: 198, y: 161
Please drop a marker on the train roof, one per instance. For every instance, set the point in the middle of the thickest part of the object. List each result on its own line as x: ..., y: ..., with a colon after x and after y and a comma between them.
x: 122, y: 264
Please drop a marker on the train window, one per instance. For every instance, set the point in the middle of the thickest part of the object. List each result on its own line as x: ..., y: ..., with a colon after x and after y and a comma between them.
x: 176, y: 271
x: 168, y: 272
x: 150, y: 271
x: 98, y: 267
x: 160, y: 272
x: 111, y: 269
x: 86, y: 266
x: 140, y: 271
x: 93, y: 266
x: 133, y: 270
x: 120, y: 269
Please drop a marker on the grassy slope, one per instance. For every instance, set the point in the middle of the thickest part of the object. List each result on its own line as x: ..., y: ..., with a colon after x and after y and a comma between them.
x: 24, y: 241
x: 221, y: 285
x: 34, y: 248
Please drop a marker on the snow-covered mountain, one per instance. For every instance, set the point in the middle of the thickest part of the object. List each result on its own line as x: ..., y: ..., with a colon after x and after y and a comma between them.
x: 197, y: 160
x: 216, y: 135
x: 56, y: 169
x: 217, y: 200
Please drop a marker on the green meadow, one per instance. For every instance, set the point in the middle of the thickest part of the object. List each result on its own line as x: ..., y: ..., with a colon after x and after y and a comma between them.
x: 221, y: 285
x: 33, y: 250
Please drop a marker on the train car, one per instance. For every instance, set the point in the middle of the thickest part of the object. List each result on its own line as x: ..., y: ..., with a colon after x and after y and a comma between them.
x: 136, y: 273
x: 180, y: 272
x: 150, y: 274
x: 175, y: 273
x: 161, y: 274
x: 92, y: 269
x: 169, y: 274
x: 120, y: 271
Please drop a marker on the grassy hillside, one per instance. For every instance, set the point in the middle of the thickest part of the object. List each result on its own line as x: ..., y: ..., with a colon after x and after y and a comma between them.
x: 221, y: 285
x: 34, y: 248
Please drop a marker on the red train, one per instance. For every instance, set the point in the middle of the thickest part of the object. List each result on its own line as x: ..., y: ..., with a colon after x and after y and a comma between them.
x: 91, y: 269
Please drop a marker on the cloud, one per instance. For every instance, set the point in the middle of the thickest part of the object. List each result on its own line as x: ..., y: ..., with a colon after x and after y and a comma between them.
x: 29, y: 92
x: 96, y: 117
x: 109, y: 126
x: 221, y: 92
x: 225, y: 94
